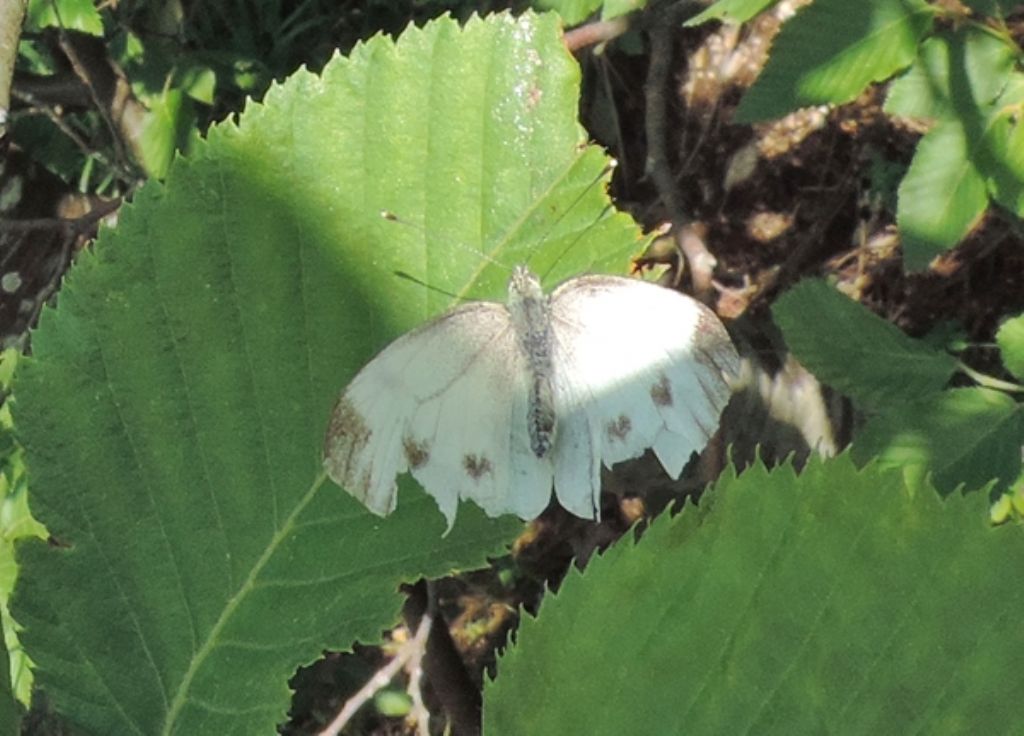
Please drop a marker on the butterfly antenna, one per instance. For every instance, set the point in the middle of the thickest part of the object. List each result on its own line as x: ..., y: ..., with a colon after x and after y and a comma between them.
x: 424, y: 284
x: 605, y: 172
x: 392, y: 217
x: 565, y: 251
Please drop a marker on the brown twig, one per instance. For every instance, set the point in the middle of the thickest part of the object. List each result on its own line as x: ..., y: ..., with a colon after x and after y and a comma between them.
x: 71, y: 225
x: 110, y: 92
x: 12, y: 13
x: 443, y: 665
x: 661, y: 30
x: 413, y: 648
x: 40, y: 108
x: 600, y: 31
x: 61, y: 89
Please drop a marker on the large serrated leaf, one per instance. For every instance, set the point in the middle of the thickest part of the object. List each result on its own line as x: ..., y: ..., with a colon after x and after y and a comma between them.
x: 833, y: 602
x: 966, y: 436
x: 831, y: 50
x: 175, y: 406
x: 863, y: 356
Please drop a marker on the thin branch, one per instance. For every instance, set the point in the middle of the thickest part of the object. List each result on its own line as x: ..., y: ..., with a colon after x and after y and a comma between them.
x: 75, y: 225
x: 412, y: 648
x: 111, y: 94
x: 12, y: 14
x: 990, y: 381
x: 661, y: 32
x: 41, y: 108
x: 598, y: 32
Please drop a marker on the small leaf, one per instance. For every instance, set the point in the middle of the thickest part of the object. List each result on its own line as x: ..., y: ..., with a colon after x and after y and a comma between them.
x: 1010, y: 339
x: 831, y: 49
x: 730, y: 11
x: 168, y: 126
x: 616, y: 8
x: 942, y: 196
x: 572, y: 11
x: 793, y: 605
x: 991, y: 7
x: 72, y: 15
x: 967, y: 436
x: 954, y: 75
x: 199, y: 82
x: 855, y: 351
x: 1000, y: 157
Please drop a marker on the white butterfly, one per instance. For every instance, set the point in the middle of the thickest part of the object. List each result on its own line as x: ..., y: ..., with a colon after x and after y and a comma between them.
x: 497, y: 403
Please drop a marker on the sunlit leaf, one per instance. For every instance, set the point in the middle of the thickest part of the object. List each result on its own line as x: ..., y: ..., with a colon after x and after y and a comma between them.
x: 174, y: 408
x: 831, y: 50
x: 942, y: 196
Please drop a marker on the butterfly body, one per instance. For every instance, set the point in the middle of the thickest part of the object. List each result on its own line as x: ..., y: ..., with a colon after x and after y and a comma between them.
x: 528, y: 311
x: 501, y: 403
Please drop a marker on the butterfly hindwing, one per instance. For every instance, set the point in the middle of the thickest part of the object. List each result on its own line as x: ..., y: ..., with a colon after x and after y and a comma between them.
x: 636, y: 365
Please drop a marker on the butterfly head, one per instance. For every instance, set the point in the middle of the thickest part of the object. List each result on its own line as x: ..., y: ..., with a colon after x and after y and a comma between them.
x: 523, y: 285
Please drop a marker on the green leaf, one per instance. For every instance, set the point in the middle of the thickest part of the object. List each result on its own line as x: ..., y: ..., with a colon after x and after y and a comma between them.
x: 967, y: 436
x: 16, y: 523
x: 992, y: 7
x: 72, y: 15
x: 942, y: 196
x: 1010, y: 339
x: 858, y: 353
x: 961, y: 79
x: 175, y: 406
x: 572, y: 11
x: 198, y: 81
x: 10, y: 709
x: 954, y: 75
x: 795, y: 605
x: 731, y: 11
x: 831, y: 49
x: 169, y: 126
x: 617, y: 8
x: 1000, y: 157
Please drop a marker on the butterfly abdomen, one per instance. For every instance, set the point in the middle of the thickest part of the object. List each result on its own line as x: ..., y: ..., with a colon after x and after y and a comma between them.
x: 528, y: 308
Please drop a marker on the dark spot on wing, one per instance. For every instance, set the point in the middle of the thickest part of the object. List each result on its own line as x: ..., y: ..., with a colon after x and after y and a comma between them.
x: 476, y: 466
x: 346, y: 439
x: 661, y: 392
x: 619, y: 429
x: 417, y: 452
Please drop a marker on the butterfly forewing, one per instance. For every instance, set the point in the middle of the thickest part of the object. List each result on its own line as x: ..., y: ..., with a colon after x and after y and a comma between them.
x: 446, y: 402
x: 479, y: 435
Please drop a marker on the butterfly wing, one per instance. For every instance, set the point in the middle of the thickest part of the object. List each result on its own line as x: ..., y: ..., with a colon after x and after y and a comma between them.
x: 446, y: 402
x: 635, y: 365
